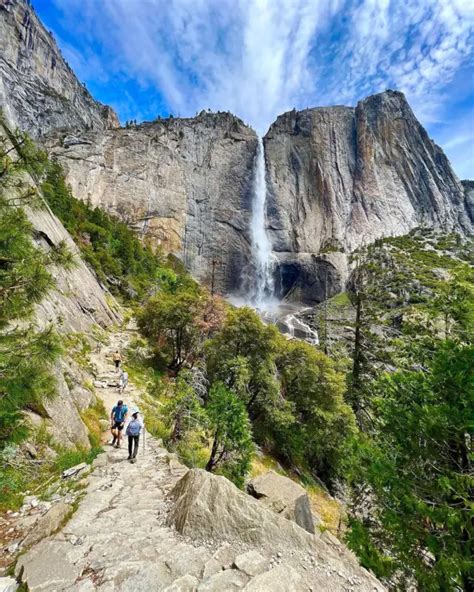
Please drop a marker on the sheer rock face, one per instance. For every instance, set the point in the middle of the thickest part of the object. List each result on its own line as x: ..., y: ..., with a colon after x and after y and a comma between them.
x: 341, y: 177
x: 468, y: 187
x: 38, y: 90
x: 77, y: 305
x: 184, y: 183
x: 338, y: 177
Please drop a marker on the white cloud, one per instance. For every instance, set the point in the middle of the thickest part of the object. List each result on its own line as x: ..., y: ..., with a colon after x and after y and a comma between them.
x: 249, y: 57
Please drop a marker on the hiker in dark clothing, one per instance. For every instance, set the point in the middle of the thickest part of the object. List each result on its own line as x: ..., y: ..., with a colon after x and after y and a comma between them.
x: 133, y: 432
x: 117, y: 418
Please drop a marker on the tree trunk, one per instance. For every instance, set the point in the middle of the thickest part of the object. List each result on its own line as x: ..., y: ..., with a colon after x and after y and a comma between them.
x: 212, y: 459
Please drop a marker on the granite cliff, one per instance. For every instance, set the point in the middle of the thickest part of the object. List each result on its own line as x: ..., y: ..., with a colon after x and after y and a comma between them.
x: 38, y: 89
x: 184, y: 183
x: 76, y: 307
x: 337, y: 177
x: 340, y: 177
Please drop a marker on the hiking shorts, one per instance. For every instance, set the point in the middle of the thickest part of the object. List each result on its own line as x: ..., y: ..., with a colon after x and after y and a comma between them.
x: 118, y: 425
x: 117, y: 363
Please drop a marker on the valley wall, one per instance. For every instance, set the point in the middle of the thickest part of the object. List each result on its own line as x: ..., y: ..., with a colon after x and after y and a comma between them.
x: 185, y: 184
x: 38, y: 90
x: 341, y: 177
x: 76, y: 308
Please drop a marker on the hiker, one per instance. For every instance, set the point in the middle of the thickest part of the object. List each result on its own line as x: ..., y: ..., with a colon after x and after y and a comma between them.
x: 133, y: 432
x: 117, y: 358
x: 117, y: 418
x: 123, y: 381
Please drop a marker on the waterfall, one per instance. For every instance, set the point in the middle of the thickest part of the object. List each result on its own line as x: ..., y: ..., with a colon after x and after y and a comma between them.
x: 262, y: 290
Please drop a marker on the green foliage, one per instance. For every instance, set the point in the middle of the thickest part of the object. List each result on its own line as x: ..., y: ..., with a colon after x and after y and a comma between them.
x: 242, y: 356
x: 125, y: 264
x: 292, y: 392
x: 26, y: 355
x: 24, y: 277
x: 232, y: 444
x: 411, y: 387
x: 418, y: 472
x: 91, y: 418
x: 169, y: 320
x: 318, y: 437
x: 69, y: 457
x: 18, y: 474
x: 404, y: 290
x: 13, y: 482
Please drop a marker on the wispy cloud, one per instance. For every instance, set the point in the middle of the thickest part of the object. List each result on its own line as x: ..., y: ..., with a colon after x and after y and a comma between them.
x: 258, y: 58
x: 249, y: 57
x: 414, y: 45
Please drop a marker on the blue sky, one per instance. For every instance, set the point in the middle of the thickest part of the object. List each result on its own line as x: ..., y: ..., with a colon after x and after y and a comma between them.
x: 259, y: 58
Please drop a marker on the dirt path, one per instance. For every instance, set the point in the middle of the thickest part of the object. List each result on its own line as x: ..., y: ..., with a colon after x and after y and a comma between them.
x: 107, y: 375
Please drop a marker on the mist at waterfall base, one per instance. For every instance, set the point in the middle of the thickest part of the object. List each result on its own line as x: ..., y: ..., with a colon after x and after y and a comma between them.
x: 258, y: 282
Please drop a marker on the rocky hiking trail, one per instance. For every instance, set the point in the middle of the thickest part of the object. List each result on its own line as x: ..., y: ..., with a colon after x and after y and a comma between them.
x: 136, y: 530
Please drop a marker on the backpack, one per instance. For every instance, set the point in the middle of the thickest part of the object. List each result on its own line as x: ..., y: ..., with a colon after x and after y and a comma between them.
x: 134, y: 428
x: 119, y: 413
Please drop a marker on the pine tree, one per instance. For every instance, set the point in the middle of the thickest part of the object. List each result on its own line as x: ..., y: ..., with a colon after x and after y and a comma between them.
x: 26, y: 355
x: 232, y: 444
x: 411, y: 473
x: 415, y: 474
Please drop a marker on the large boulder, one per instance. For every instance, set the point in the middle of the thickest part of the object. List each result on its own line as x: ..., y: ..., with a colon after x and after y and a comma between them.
x: 279, y: 579
x: 283, y: 496
x: 275, y: 553
x: 209, y: 506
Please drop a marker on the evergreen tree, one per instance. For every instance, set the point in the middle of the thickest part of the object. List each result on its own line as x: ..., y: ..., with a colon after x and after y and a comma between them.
x: 232, y: 444
x: 411, y: 474
x: 415, y: 475
x: 26, y: 355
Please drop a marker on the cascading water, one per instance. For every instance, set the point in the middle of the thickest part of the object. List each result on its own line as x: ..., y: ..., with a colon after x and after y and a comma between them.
x: 262, y: 290
x: 258, y: 280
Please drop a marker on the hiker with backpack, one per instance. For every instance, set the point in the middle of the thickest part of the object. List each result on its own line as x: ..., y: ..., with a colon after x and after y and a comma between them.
x: 133, y: 432
x: 117, y: 418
